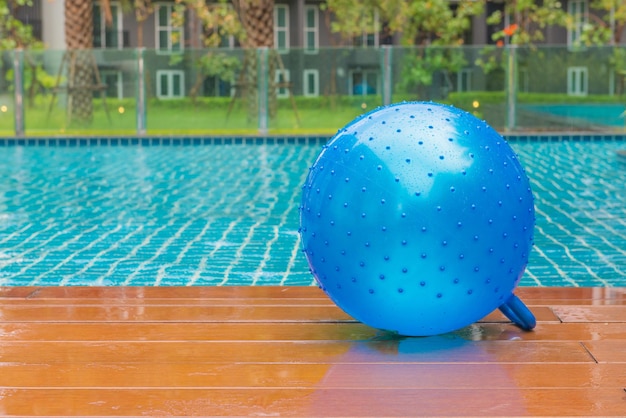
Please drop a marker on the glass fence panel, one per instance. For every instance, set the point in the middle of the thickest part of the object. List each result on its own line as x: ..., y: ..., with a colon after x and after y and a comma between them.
x: 7, y: 98
x: 320, y: 91
x: 81, y: 92
x: 560, y: 88
x: 201, y: 91
x: 264, y: 91
x: 471, y: 78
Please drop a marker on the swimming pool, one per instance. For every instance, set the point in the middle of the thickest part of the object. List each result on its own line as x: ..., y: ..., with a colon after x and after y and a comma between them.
x: 580, y: 116
x: 224, y: 211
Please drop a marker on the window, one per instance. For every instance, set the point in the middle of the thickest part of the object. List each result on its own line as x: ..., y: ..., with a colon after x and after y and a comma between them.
x: 311, y: 87
x: 464, y: 80
x: 113, y: 82
x: 168, y: 38
x: 577, y: 79
x: 370, y: 36
x: 170, y: 84
x: 363, y: 82
x: 281, y: 27
x: 213, y: 86
x: 107, y: 36
x: 578, y: 10
x: 311, y: 29
x: 228, y: 42
x: 282, y: 80
x: 523, y: 80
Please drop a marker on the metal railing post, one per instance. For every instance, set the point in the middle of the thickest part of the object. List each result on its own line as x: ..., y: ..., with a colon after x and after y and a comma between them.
x: 262, y: 88
x: 387, y: 74
x: 511, y: 87
x: 141, y: 93
x: 18, y: 84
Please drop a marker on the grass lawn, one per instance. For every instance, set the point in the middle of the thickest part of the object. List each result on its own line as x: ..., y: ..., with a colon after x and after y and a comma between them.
x: 184, y: 118
x: 311, y: 116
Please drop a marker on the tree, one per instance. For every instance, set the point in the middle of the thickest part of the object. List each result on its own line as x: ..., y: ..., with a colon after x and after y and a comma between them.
x: 257, y: 20
x: 523, y: 21
x: 15, y: 35
x: 252, y: 23
x: 434, y: 26
x: 79, y: 41
x: 605, y: 25
x: 143, y: 9
x: 219, y: 21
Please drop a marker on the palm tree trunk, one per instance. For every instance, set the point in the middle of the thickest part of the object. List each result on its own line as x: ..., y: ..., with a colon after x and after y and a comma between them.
x: 257, y: 19
x: 79, y: 41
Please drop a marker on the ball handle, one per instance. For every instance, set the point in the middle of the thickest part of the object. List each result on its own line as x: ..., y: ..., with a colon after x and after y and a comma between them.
x: 518, y: 312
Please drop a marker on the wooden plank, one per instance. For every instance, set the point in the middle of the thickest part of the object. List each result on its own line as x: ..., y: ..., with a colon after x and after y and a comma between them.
x: 303, y: 313
x: 536, y: 294
x: 323, y: 300
x: 591, y: 314
x: 291, y: 375
x: 175, y: 331
x: 266, y: 331
x: 19, y: 292
x: 141, y: 292
x: 194, y: 313
x: 286, y: 351
x: 531, y: 295
x: 609, y: 352
x: 443, y: 349
x: 167, y: 302
x: 312, y: 402
x: 116, y: 313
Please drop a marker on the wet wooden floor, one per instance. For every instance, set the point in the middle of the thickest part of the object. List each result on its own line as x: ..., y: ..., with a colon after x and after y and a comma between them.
x: 288, y: 351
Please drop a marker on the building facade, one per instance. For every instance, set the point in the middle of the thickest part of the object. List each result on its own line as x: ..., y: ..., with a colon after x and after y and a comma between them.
x: 313, y: 60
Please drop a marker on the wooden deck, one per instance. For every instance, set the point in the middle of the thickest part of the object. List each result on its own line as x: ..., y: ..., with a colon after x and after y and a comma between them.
x: 288, y: 351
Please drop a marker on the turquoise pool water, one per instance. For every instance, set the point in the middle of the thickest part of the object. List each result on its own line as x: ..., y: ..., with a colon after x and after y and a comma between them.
x: 581, y: 116
x: 182, y: 212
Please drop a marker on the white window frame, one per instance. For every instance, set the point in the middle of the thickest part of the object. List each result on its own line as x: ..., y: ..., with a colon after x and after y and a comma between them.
x: 364, y: 81
x: 464, y: 74
x: 119, y: 82
x: 282, y: 76
x: 116, y: 10
x: 375, y: 32
x: 281, y: 29
x: 523, y: 80
x: 170, y: 83
x: 577, y: 81
x: 306, y: 87
x: 228, y: 42
x: 579, y: 9
x: 314, y: 30
x: 169, y: 29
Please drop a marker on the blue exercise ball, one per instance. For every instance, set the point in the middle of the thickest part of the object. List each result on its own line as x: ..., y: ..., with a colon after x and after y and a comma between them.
x: 418, y: 218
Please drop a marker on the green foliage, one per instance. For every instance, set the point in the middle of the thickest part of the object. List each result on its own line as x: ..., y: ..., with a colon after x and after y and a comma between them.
x: 422, y: 64
x: 13, y: 33
x: 219, y: 20
x: 33, y: 75
x: 353, y: 18
x: 527, y: 19
x: 220, y: 65
x: 491, y: 59
x: 432, y: 22
x: 418, y: 22
x: 605, y: 23
x: 428, y: 24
